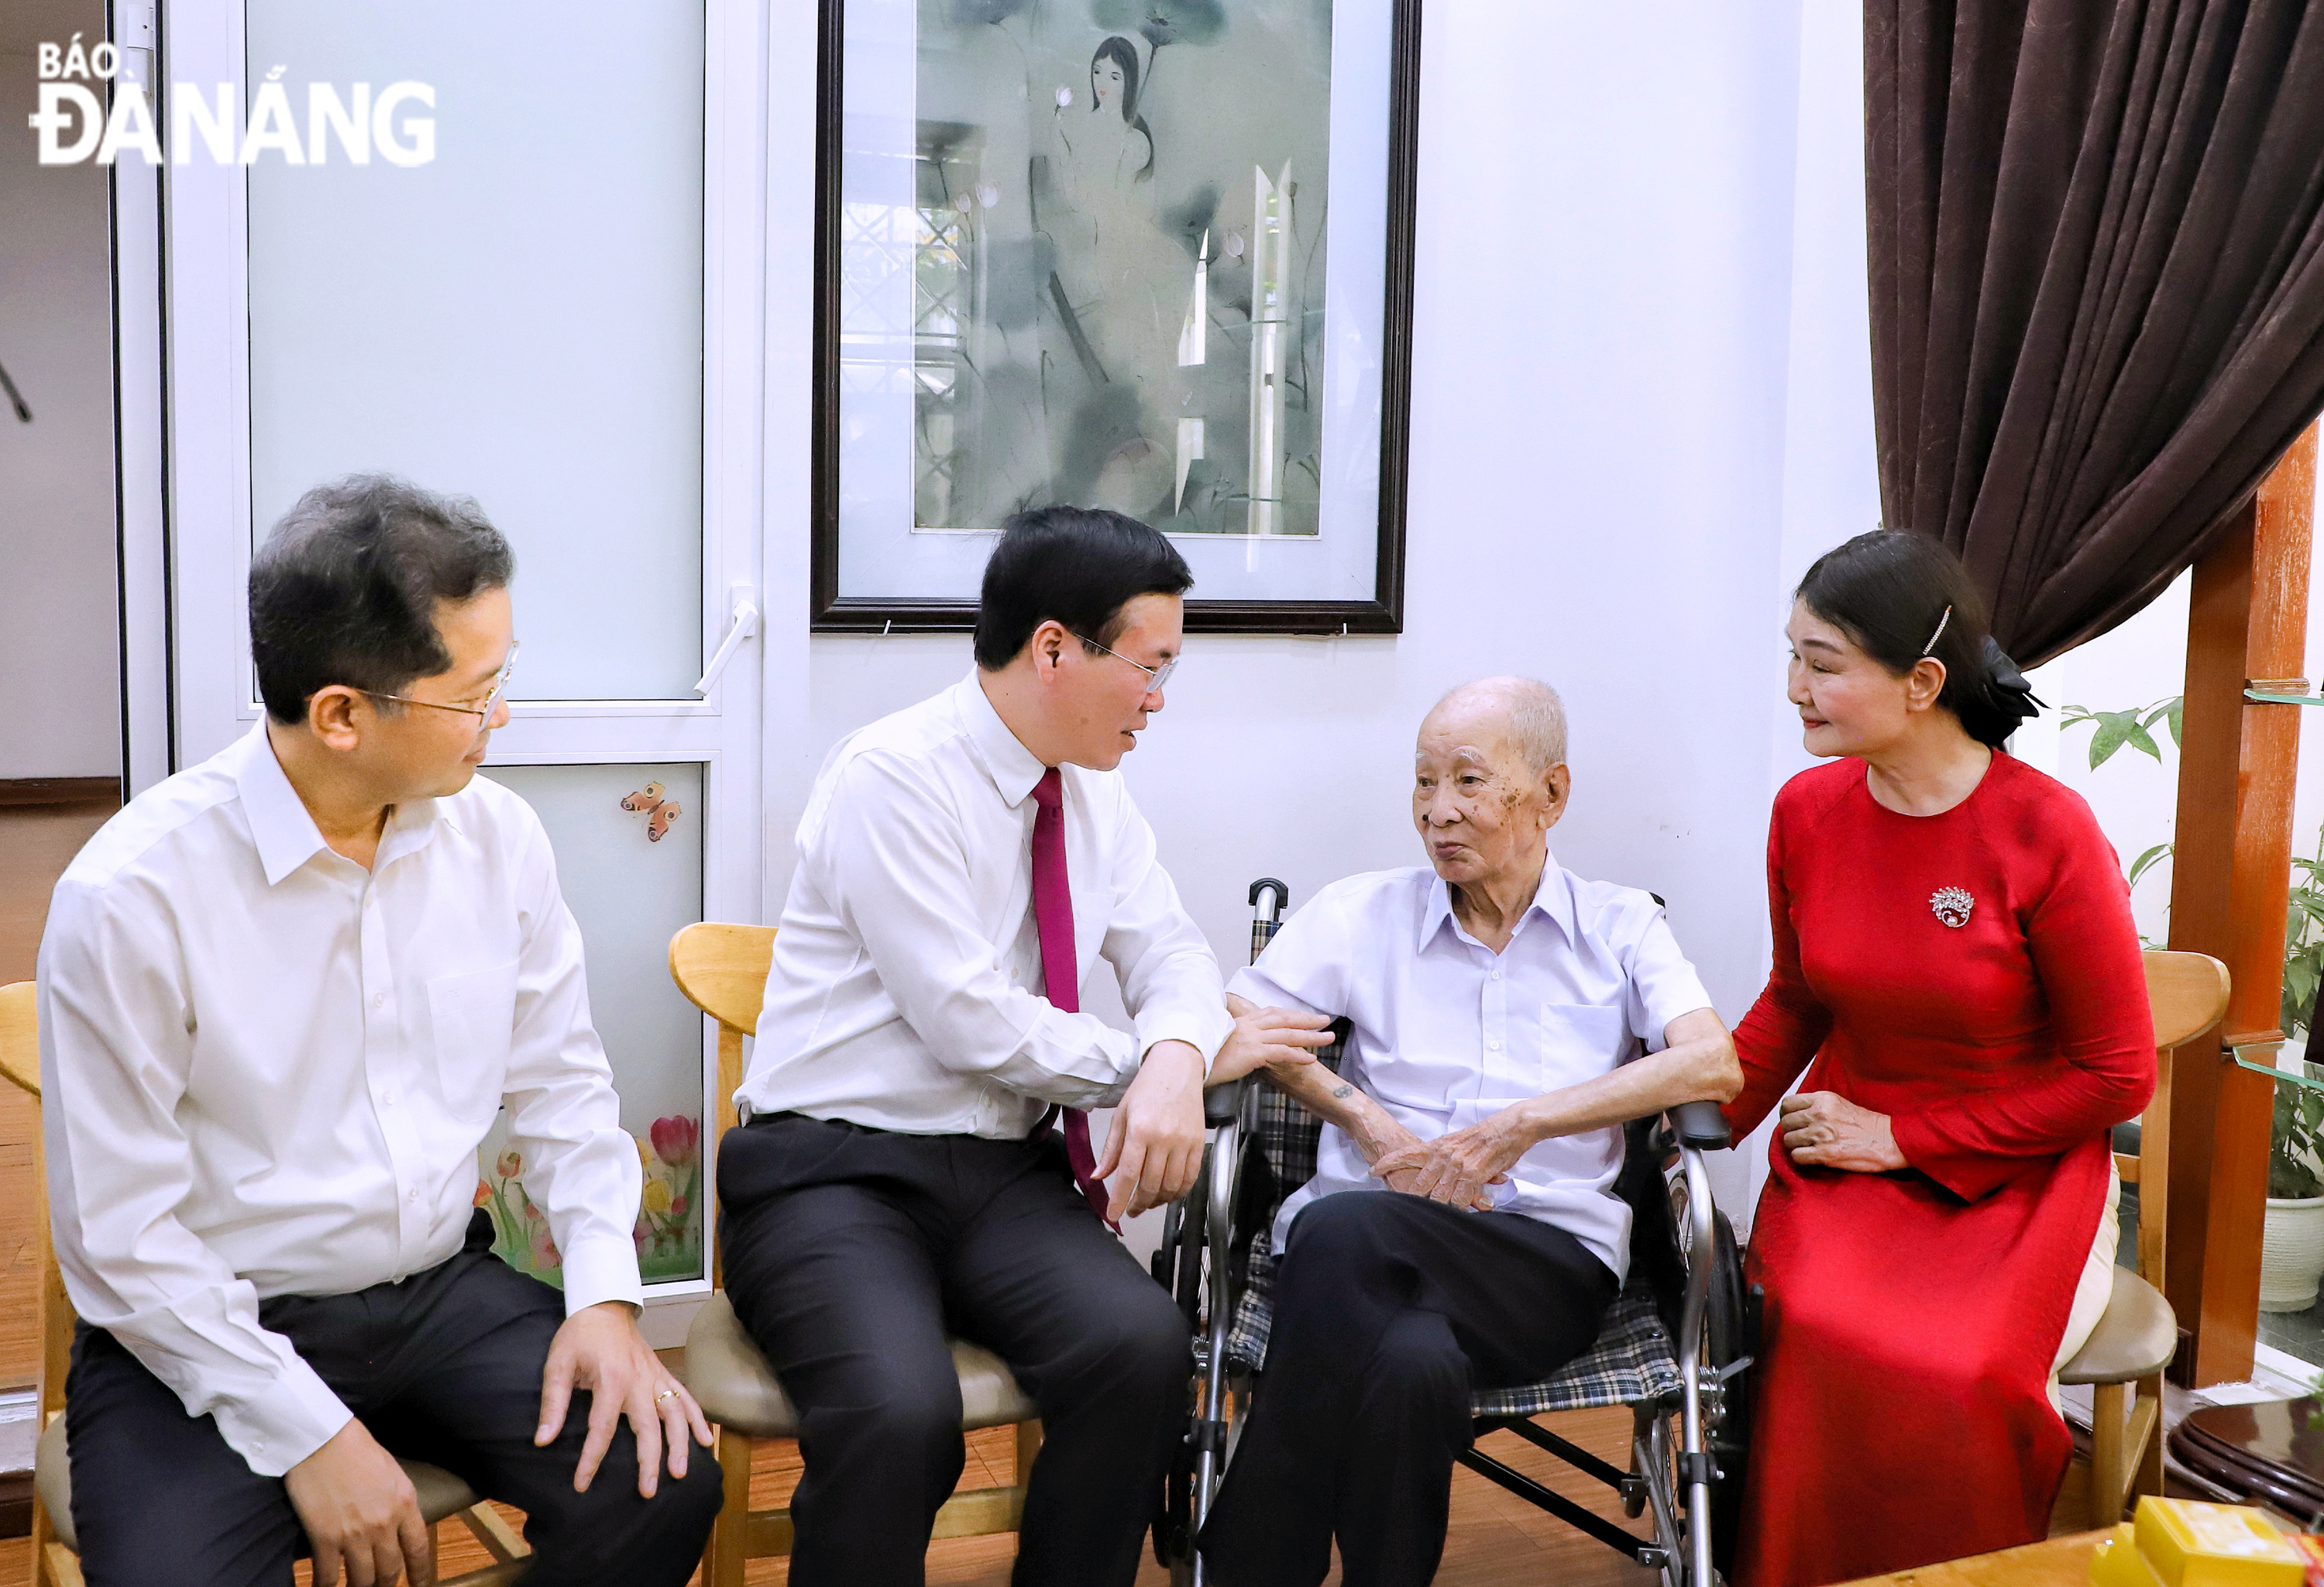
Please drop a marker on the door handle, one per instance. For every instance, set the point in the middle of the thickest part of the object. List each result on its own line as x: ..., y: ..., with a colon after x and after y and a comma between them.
x: 743, y: 625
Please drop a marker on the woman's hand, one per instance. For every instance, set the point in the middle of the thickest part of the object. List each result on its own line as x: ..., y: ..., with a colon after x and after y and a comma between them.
x: 1455, y: 1168
x: 1823, y: 1130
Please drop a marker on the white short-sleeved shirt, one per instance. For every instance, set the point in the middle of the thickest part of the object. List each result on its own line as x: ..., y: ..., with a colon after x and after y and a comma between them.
x: 1447, y: 1032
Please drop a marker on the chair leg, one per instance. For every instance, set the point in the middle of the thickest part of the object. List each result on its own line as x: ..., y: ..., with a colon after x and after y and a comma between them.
x: 504, y: 1542
x: 62, y: 1569
x: 42, y: 1576
x: 1028, y: 1445
x: 2109, y: 1478
x: 723, y: 1556
x: 2150, y: 1457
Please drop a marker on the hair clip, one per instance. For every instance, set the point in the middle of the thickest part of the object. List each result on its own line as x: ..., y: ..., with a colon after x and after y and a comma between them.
x: 1930, y: 650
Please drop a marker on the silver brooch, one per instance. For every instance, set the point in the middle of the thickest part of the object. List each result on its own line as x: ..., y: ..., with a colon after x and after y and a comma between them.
x: 1952, y: 905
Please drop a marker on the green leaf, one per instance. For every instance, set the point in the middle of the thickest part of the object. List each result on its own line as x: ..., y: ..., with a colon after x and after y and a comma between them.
x: 2138, y: 867
x: 2175, y: 707
x: 2114, y: 728
x: 2139, y: 739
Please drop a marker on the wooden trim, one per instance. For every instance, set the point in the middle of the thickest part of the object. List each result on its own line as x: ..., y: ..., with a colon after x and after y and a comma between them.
x: 829, y: 612
x: 58, y: 790
x: 977, y: 1513
x: 2230, y: 880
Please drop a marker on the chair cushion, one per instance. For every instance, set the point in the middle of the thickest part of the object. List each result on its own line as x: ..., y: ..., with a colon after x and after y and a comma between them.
x: 441, y: 1494
x: 2135, y: 1338
x: 736, y: 1388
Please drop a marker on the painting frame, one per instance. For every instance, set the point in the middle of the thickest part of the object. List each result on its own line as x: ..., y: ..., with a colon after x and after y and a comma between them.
x: 833, y: 609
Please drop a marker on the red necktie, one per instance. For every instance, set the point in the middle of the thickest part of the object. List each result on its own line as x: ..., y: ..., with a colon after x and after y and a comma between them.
x: 1052, y: 918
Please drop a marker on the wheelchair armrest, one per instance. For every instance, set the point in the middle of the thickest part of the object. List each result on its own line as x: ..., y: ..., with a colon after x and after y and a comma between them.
x: 1701, y: 1125
x: 1223, y: 1105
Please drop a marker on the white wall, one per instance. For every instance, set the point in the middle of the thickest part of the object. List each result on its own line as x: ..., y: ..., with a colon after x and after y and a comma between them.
x: 59, y: 656
x: 1640, y: 400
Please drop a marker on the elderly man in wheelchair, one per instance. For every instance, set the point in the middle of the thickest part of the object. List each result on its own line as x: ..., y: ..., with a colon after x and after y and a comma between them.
x: 1504, y: 1019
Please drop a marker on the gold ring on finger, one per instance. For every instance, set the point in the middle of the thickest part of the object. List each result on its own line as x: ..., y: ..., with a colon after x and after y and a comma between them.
x: 665, y: 1394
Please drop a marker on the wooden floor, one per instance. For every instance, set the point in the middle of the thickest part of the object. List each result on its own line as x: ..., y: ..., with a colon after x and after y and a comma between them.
x: 1496, y: 1539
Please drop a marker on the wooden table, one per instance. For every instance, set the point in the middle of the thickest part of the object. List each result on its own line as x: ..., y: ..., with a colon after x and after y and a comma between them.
x: 2060, y: 1561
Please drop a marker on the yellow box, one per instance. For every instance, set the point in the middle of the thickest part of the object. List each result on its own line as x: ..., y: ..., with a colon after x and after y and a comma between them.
x: 2179, y: 1542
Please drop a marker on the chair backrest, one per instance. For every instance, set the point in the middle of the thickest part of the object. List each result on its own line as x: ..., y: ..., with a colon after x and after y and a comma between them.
x: 20, y: 1062
x: 2187, y: 994
x: 721, y: 969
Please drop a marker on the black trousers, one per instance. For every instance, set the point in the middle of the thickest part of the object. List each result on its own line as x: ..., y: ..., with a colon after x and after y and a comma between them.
x: 1389, y: 1310
x: 443, y: 1367
x: 852, y: 1252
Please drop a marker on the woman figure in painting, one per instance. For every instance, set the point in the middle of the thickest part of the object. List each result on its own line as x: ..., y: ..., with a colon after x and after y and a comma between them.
x: 1126, y: 286
x: 1956, y: 969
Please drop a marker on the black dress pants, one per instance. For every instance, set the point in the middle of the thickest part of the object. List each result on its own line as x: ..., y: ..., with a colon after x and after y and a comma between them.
x: 852, y: 1252
x: 1389, y: 1311
x: 443, y: 1367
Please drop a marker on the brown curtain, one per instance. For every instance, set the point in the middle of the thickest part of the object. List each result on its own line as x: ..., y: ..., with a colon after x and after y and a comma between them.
x: 2096, y: 234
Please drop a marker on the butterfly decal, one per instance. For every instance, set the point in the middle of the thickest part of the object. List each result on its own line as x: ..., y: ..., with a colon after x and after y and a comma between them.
x: 653, y: 801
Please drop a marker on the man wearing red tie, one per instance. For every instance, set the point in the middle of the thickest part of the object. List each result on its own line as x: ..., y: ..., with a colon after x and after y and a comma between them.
x: 917, y: 1159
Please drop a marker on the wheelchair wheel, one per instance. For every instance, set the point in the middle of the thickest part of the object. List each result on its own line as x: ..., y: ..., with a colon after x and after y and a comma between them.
x: 1178, y: 1267
x: 1731, y: 1342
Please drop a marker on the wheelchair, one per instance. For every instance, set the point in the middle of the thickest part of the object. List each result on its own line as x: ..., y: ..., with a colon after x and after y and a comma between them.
x: 1689, y: 1403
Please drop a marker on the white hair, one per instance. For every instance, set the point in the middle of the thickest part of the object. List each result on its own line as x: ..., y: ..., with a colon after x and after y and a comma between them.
x: 1535, y: 715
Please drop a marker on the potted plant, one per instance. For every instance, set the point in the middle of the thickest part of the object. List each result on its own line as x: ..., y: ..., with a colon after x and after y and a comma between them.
x: 2292, y: 1240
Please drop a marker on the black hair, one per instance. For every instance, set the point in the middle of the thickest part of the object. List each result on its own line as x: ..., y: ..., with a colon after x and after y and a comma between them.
x: 1889, y: 592
x: 1079, y: 564
x: 345, y: 589
x: 1124, y: 54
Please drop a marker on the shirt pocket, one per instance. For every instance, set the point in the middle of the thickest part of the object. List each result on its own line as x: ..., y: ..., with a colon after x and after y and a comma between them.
x: 472, y: 1018
x: 1580, y: 1041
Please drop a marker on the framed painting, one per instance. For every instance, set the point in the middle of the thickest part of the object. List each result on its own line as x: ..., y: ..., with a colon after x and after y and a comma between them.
x: 1152, y: 255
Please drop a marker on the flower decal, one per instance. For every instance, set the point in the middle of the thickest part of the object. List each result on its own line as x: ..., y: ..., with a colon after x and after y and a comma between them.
x: 675, y: 1139
x: 657, y: 1195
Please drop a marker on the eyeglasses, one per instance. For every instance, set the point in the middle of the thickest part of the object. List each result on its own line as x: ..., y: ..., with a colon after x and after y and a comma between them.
x: 1156, y: 675
x: 483, y: 714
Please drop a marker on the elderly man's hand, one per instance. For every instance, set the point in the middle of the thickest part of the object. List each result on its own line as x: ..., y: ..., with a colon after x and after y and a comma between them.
x: 1824, y: 1130
x: 1456, y: 1167
x: 1268, y: 1039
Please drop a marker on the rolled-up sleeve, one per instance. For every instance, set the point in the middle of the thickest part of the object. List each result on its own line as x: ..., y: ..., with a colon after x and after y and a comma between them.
x: 1662, y: 983
x: 116, y: 1047
x: 563, y: 1112
x: 1307, y: 965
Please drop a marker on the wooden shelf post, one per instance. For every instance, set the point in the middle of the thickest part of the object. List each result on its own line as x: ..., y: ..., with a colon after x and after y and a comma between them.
x: 2230, y: 878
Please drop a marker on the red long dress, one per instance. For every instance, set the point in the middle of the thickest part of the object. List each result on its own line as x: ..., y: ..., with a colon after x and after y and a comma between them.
x: 1913, y: 1318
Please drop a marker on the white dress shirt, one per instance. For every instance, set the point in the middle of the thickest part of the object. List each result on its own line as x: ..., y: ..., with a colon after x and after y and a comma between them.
x: 1447, y: 1032
x: 266, y: 1071
x: 906, y: 988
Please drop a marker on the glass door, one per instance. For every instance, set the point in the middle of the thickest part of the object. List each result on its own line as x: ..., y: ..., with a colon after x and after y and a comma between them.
x: 512, y: 253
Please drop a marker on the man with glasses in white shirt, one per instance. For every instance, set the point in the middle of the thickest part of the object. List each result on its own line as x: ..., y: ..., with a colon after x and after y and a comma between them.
x: 282, y: 997
x: 915, y: 1160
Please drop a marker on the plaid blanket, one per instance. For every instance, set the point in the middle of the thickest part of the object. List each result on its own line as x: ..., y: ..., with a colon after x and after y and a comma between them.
x: 1632, y: 1363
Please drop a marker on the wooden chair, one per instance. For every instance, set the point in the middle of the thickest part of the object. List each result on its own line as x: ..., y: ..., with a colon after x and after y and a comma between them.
x: 722, y: 971
x: 2136, y: 1337
x: 55, y: 1549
